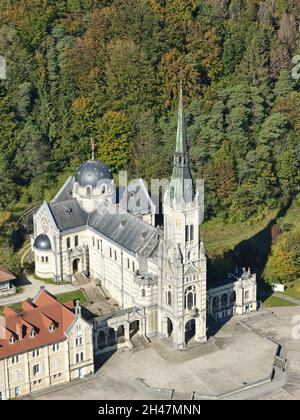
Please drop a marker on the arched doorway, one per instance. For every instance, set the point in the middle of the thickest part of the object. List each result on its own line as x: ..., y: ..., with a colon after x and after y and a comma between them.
x: 190, y: 330
x: 169, y: 327
x: 134, y: 327
x: 76, y: 265
x: 121, y: 334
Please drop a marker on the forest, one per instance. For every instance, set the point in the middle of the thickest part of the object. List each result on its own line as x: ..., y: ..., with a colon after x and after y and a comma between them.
x: 109, y: 70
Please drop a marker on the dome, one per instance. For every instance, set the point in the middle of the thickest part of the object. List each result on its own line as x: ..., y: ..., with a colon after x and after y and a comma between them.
x: 91, y: 172
x: 42, y: 242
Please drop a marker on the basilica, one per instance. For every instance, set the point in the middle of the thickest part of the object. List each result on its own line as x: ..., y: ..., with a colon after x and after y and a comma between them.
x: 156, y: 272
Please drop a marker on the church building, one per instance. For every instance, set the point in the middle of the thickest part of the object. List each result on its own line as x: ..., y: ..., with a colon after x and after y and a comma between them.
x: 156, y: 274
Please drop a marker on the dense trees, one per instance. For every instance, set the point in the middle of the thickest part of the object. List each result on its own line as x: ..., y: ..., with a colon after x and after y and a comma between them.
x: 109, y: 70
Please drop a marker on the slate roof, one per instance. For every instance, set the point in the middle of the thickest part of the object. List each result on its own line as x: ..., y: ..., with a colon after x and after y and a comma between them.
x: 65, y: 193
x: 68, y: 214
x: 124, y: 229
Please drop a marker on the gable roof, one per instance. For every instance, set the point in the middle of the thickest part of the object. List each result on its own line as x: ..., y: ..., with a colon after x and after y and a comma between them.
x: 5, y: 275
x: 37, y: 316
x: 124, y: 229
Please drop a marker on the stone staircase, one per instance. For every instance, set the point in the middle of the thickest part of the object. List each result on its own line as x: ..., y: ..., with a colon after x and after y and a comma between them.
x: 80, y: 279
x: 139, y: 342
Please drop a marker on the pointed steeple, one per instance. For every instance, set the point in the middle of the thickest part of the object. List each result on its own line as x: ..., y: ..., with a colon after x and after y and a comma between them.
x: 181, y: 142
x: 181, y: 186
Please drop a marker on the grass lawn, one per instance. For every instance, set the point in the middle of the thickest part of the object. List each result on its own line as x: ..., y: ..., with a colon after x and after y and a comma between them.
x: 76, y: 295
x: 273, y: 302
x: 219, y: 236
x: 293, y: 289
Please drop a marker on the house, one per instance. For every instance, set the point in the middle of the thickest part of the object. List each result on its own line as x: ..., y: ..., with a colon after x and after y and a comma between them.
x: 6, y: 283
x: 46, y: 344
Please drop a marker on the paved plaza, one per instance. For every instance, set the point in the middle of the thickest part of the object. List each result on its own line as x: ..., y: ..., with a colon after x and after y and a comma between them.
x: 235, y: 358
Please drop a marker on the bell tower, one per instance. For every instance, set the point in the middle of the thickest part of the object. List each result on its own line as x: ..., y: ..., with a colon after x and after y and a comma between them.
x: 182, y: 274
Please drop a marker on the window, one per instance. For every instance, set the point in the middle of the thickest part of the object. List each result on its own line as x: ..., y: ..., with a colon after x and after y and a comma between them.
x: 110, y: 252
x: 103, y: 189
x: 169, y: 295
x: 79, y: 357
x: 51, y: 328
x: 98, y: 244
x: 57, y: 364
x: 133, y: 266
x: 1, y: 398
x: 93, y: 241
x: 190, y: 297
x: 76, y: 240
x: 143, y: 293
x: 43, y: 259
x: 78, y: 328
x: 17, y: 391
x: 128, y: 263
x: 36, y: 369
x: 186, y: 233
x: 68, y: 243
x: 35, y: 353
x: 32, y: 333
x: 55, y: 347
x: 12, y: 339
x: 15, y: 360
x: 191, y: 233
x: 116, y: 256
x: 46, y: 259
x: 247, y: 295
x: 78, y: 341
x: 88, y: 191
x: 17, y: 375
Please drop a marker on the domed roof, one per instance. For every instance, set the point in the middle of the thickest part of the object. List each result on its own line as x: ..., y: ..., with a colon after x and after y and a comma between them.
x: 42, y: 242
x: 91, y: 172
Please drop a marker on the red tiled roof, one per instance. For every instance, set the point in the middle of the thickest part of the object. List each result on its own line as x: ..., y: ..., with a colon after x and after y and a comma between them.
x: 37, y: 317
x: 5, y: 275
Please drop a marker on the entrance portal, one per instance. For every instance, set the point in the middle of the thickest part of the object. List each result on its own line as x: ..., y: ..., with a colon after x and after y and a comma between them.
x: 76, y: 265
x: 190, y: 330
x: 134, y: 327
x: 169, y: 327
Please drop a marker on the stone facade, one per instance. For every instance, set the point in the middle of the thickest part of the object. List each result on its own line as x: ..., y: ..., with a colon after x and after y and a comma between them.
x: 161, y: 273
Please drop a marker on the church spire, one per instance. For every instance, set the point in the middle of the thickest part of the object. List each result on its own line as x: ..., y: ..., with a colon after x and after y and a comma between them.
x: 181, y: 185
x: 181, y: 142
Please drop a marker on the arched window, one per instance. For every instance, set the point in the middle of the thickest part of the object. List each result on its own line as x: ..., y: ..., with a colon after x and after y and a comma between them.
x: 190, y: 297
x: 191, y: 233
x: 187, y: 233
x: 103, y: 189
x: 89, y: 191
x: 224, y: 300
x: 215, y: 303
x: 169, y: 295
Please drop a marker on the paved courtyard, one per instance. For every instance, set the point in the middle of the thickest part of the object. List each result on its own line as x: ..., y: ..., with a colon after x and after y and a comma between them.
x: 236, y: 357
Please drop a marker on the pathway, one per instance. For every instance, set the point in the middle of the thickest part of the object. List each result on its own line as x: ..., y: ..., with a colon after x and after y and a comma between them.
x: 32, y: 288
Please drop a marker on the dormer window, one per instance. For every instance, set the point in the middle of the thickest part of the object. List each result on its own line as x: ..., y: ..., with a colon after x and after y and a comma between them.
x: 12, y: 339
x: 89, y: 191
x: 32, y: 333
x: 51, y: 328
